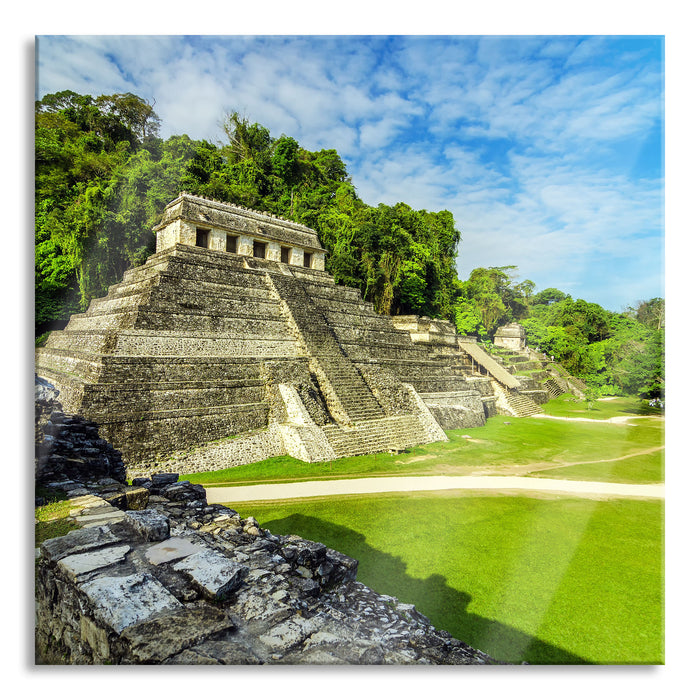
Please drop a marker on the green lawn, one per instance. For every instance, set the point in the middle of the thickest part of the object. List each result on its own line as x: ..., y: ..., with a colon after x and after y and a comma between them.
x: 543, y: 580
x: 529, y: 444
x: 641, y: 469
x: 601, y: 409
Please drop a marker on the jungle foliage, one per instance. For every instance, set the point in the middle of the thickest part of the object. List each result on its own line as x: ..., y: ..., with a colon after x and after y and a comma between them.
x: 104, y: 176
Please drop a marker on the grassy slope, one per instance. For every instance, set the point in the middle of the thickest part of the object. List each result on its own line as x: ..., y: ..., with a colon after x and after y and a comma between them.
x: 533, y: 444
x: 51, y: 520
x: 556, y: 580
x: 546, y: 580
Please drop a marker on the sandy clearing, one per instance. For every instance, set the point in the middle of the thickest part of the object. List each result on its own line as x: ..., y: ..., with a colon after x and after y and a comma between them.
x: 306, y: 489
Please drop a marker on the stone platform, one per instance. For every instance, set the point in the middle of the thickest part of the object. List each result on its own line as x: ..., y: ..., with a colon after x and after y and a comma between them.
x: 183, y: 582
x: 214, y: 358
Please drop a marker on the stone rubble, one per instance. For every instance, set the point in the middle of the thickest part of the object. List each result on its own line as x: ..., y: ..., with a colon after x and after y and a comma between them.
x: 67, y: 447
x: 156, y: 575
x: 185, y: 582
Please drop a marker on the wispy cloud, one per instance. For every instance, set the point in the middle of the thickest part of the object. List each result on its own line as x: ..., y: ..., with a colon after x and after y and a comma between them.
x: 532, y: 142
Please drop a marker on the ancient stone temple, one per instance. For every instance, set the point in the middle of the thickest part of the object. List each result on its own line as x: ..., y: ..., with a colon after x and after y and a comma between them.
x: 232, y: 344
x: 510, y: 336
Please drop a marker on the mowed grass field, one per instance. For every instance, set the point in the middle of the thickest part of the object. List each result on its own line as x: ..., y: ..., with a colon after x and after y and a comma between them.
x: 543, y: 579
x: 626, y: 453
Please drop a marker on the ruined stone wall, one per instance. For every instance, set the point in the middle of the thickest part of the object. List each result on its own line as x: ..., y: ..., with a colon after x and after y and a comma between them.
x: 156, y: 575
x: 68, y: 446
x: 457, y: 409
x: 182, y: 582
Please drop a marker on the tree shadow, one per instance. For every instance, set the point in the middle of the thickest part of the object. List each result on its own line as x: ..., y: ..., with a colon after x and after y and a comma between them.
x: 643, y: 410
x: 446, y: 607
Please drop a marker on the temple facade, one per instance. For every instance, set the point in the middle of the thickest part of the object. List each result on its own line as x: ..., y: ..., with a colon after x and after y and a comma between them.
x: 232, y: 344
x: 205, y: 223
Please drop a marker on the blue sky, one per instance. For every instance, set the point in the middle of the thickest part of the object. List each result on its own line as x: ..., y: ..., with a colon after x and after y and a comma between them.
x: 547, y: 149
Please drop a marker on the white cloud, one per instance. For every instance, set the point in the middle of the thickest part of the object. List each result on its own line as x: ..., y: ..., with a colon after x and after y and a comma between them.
x: 563, y: 219
x: 587, y: 49
x: 517, y: 137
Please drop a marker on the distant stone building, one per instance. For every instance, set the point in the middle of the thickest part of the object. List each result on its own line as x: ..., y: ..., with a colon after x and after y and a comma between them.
x: 510, y: 336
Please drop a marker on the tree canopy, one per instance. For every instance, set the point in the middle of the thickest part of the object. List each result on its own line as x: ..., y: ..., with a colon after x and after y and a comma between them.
x: 104, y: 176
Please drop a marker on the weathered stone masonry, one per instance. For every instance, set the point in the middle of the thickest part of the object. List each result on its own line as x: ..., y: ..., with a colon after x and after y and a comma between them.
x: 208, y: 356
x: 183, y: 582
x: 156, y: 575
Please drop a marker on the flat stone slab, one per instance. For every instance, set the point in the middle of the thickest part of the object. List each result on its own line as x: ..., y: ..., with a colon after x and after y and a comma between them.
x: 170, y: 550
x: 106, y: 519
x: 86, y: 503
x: 76, y: 564
x: 216, y: 652
x: 290, y: 633
x: 128, y: 497
x: 96, y: 513
x: 159, y: 638
x: 250, y: 606
x: 78, y: 541
x: 164, y: 478
x: 122, y: 601
x: 214, y: 574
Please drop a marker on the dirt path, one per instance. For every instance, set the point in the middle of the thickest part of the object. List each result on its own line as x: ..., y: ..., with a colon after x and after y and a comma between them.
x: 614, y: 419
x: 306, y: 489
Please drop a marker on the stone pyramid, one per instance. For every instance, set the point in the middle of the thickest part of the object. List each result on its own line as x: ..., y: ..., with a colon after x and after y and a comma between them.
x: 232, y: 344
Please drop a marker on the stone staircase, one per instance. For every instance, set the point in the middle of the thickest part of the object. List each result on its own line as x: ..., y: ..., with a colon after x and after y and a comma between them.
x: 347, y: 395
x: 551, y: 377
x: 522, y: 405
x: 368, y: 437
x: 555, y: 387
x: 513, y: 403
x: 576, y: 385
x: 435, y: 369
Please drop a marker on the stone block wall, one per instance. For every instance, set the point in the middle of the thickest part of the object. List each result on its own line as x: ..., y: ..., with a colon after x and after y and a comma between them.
x: 459, y: 409
x: 181, y: 582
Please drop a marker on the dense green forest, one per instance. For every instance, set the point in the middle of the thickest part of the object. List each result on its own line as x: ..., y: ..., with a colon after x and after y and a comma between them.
x: 614, y: 353
x: 103, y: 177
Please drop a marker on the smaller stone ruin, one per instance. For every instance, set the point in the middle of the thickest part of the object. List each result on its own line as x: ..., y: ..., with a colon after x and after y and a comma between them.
x: 511, y: 336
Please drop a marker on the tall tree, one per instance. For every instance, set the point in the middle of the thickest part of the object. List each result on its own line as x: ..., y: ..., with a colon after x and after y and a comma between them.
x: 651, y: 313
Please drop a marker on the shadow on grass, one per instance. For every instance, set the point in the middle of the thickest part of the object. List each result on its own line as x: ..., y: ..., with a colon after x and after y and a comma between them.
x: 446, y: 607
x: 643, y: 410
